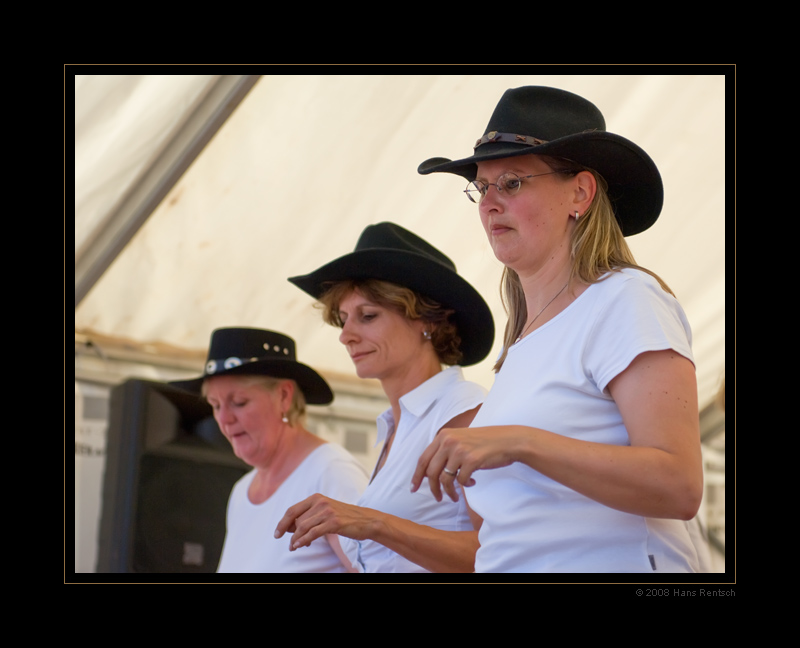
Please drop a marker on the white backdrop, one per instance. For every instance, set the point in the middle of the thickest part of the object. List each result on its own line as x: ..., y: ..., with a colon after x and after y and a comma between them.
x: 307, y: 161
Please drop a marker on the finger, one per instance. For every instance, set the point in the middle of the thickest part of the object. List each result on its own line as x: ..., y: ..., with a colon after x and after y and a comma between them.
x: 305, y: 539
x: 436, y: 475
x: 422, y: 466
x: 448, y: 481
x: 465, y: 476
x: 287, y: 522
x: 308, y: 528
x: 324, y: 516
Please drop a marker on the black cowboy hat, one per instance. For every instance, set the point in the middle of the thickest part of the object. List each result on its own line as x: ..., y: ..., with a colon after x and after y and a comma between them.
x: 391, y: 253
x: 548, y: 121
x: 250, y: 351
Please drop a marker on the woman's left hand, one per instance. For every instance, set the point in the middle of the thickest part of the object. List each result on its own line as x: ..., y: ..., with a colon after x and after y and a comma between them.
x: 456, y: 453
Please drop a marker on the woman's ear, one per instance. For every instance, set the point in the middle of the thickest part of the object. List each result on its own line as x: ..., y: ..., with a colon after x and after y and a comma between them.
x: 285, y: 392
x: 585, y: 191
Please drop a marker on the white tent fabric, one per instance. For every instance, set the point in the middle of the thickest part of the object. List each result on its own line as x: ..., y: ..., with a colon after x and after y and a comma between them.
x: 305, y: 162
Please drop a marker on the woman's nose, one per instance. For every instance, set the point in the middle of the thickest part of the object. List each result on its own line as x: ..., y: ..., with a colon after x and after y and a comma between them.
x: 492, y: 199
x: 348, y: 333
x: 223, y: 414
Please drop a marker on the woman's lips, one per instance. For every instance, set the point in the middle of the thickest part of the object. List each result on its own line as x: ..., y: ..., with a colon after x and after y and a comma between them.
x: 497, y: 230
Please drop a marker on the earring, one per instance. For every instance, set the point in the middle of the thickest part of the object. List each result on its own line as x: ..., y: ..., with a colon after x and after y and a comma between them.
x: 577, y: 215
x: 285, y: 419
x: 426, y: 335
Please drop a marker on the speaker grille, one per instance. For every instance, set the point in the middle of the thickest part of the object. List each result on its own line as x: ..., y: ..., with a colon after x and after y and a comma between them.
x: 180, y: 513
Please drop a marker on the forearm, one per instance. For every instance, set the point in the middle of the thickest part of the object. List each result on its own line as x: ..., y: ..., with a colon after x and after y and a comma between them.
x: 658, y: 473
x: 646, y: 481
x: 433, y: 549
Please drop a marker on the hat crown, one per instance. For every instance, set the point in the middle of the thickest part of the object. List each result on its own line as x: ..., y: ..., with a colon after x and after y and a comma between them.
x: 249, y: 343
x: 390, y: 236
x: 249, y: 351
x: 544, y: 113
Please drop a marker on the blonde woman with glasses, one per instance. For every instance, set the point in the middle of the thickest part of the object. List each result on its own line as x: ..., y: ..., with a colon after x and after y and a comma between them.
x: 585, y: 456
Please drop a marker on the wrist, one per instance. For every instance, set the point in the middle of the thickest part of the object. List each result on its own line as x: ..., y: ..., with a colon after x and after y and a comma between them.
x: 379, y: 528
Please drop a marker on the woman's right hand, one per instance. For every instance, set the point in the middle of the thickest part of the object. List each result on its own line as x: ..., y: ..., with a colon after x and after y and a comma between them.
x: 433, y: 549
x: 456, y: 453
x: 318, y: 515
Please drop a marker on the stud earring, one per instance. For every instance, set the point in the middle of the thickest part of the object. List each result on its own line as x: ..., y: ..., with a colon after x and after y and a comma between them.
x: 426, y: 335
x: 285, y: 419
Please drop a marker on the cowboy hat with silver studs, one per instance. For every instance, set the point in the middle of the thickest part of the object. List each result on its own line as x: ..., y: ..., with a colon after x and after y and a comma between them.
x: 250, y: 351
x: 548, y: 121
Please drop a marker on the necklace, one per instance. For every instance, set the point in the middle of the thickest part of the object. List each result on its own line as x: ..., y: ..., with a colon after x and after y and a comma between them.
x: 540, y: 312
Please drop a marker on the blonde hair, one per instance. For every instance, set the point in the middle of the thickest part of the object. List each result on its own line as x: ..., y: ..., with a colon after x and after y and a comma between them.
x: 297, y: 410
x: 406, y: 302
x: 597, y: 248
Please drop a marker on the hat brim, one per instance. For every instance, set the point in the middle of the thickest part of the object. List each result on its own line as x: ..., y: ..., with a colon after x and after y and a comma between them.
x: 315, y: 390
x: 472, y: 316
x: 634, y: 182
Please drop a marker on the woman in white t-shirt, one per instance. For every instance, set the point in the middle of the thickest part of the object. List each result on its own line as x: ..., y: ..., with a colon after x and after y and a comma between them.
x: 405, y: 314
x: 258, y: 393
x: 585, y: 456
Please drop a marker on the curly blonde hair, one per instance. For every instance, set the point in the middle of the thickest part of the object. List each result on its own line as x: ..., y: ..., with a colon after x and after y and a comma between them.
x: 408, y: 303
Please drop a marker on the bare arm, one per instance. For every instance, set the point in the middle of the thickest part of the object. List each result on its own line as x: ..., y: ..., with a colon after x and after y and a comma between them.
x: 433, y: 549
x: 658, y: 475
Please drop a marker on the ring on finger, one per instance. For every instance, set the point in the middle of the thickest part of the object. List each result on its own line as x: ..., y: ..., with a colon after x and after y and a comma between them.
x: 450, y: 472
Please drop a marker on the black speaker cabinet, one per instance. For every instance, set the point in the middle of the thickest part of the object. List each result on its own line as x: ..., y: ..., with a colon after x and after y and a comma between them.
x: 169, y: 472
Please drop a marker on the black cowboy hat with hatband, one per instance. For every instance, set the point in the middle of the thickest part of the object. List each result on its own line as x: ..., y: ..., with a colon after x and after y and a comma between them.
x: 548, y: 121
x: 391, y: 253
x: 251, y: 351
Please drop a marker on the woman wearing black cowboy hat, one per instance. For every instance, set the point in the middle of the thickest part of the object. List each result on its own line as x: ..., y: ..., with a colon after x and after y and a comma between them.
x: 258, y: 392
x: 585, y: 456
x: 404, y: 312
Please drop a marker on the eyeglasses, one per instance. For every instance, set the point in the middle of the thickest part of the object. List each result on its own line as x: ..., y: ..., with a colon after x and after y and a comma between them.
x: 508, y: 183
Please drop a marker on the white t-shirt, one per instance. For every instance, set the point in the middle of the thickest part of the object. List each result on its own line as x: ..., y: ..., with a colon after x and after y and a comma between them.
x: 250, y: 544
x: 555, y: 379
x: 424, y: 411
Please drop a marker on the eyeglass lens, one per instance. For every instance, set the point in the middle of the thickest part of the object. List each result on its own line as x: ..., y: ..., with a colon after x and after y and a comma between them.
x: 507, y: 183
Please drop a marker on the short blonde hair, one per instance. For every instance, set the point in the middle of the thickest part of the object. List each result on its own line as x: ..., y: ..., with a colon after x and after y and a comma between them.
x: 297, y: 410
x: 408, y: 303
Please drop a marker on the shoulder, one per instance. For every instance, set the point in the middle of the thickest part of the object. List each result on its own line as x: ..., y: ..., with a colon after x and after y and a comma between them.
x: 444, y: 392
x: 457, y: 385
x: 460, y: 395
x: 629, y: 279
x: 630, y: 295
x: 633, y: 314
x: 331, y: 455
x: 331, y: 459
x: 457, y: 404
x: 332, y: 471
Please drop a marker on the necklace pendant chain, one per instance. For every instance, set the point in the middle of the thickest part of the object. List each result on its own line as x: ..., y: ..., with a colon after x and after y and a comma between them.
x: 541, y: 311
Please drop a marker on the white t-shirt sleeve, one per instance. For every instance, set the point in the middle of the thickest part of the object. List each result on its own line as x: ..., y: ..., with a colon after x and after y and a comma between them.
x: 641, y: 316
x: 341, y: 478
